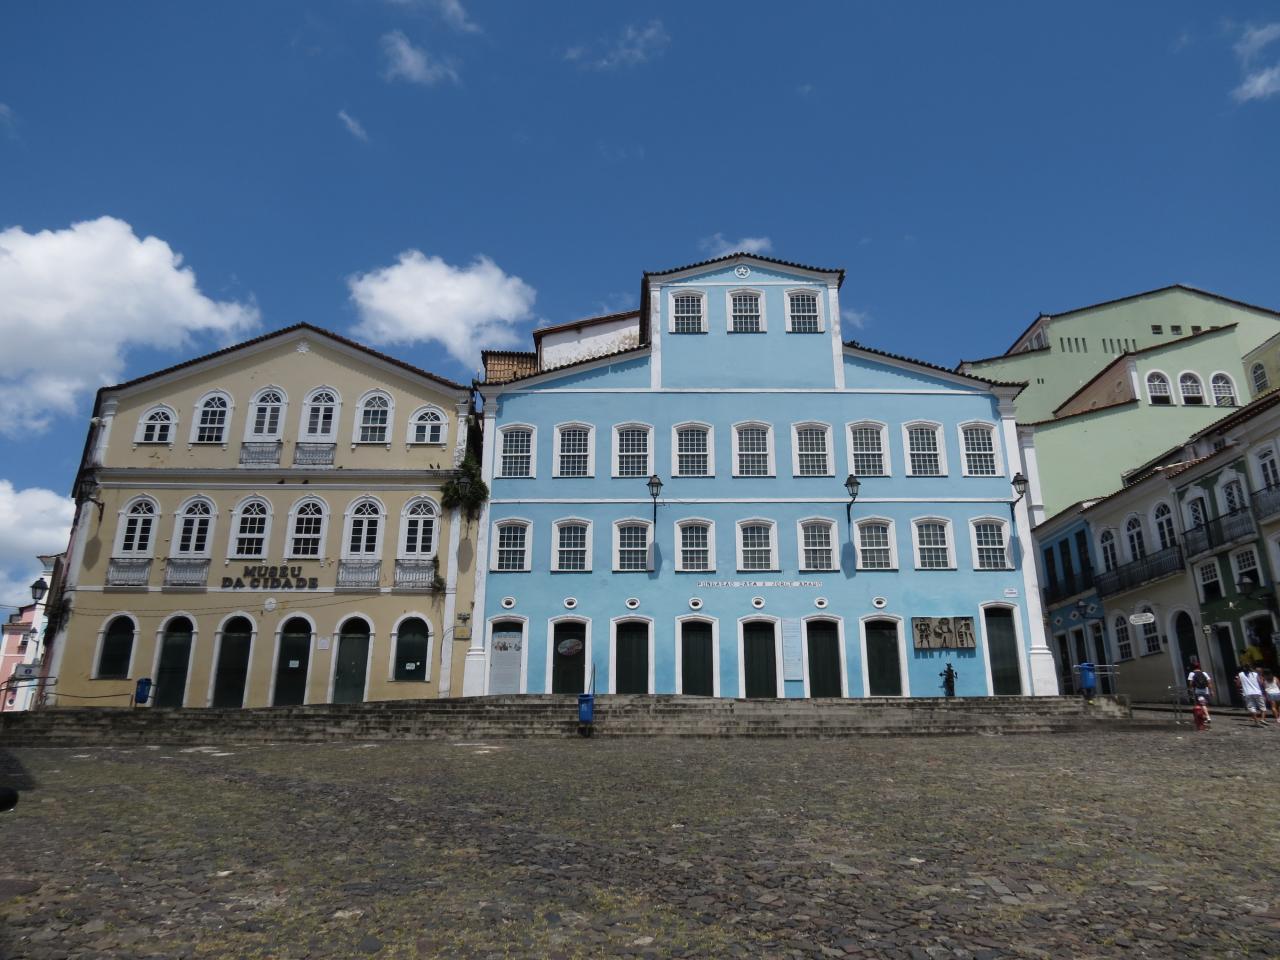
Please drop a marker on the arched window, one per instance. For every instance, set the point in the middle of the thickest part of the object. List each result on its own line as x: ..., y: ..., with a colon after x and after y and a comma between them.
x: 427, y: 426
x: 687, y: 313
x: 697, y: 545
x: 632, y: 449
x: 511, y: 545
x: 812, y: 446
x: 753, y: 450
x: 267, y: 415
x: 517, y: 452
x: 419, y: 540
x: 1259, y: 374
x: 211, y: 425
x: 364, y: 529
x: 572, y: 546
x: 1233, y: 496
x: 1267, y: 467
x: 1192, y: 389
x: 320, y: 416
x: 573, y: 454
x: 867, y: 450
x: 412, y: 643
x: 1124, y: 645
x: 1137, y: 542
x: 990, y: 549
x: 1164, y: 526
x: 252, y: 520
x: 745, y: 315
x: 1158, y: 390
x: 816, y: 539
x: 116, y: 651
x: 757, y: 545
x: 631, y: 545
x: 156, y: 426
x: 1150, y: 634
x: 307, y: 534
x: 375, y: 419
x: 979, y: 450
x: 139, y: 525
x: 933, y: 544
x: 193, y: 529
x: 925, y: 456
x: 1224, y: 391
x: 802, y: 312
x: 1196, y: 512
x: 692, y: 451
x: 1108, y: 544
x: 876, y: 547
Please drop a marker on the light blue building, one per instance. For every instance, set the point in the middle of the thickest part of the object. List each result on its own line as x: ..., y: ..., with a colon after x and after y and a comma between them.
x: 1073, y: 605
x: 750, y: 574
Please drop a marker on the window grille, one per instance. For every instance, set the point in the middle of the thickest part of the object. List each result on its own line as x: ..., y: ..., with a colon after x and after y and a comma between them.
x: 989, y: 538
x: 980, y: 451
x: 320, y: 414
x: 420, y: 529
x: 366, y: 521
x: 874, y: 549
x: 811, y: 446
x: 511, y: 546
x: 1124, y: 645
x: 757, y: 552
x: 1164, y: 527
x: 157, y: 427
x: 428, y: 428
x: 266, y: 415
x: 687, y: 315
x: 574, y: 451
x: 137, y: 528
x: 572, y: 547
x: 804, y: 313
x: 868, y: 452
x: 633, y: 547
x: 817, y: 546
x: 633, y: 452
x: 213, y: 421
x: 517, y: 453
x: 691, y: 452
x: 194, y: 536
x: 251, y: 535
x: 1192, y: 389
x: 1224, y: 393
x: 922, y: 445
x: 1260, y: 381
x: 307, y: 523
x: 374, y: 419
x: 1158, y: 390
x: 746, y: 313
x: 1137, y: 541
x: 935, y: 552
x: 753, y: 451
x: 695, y: 547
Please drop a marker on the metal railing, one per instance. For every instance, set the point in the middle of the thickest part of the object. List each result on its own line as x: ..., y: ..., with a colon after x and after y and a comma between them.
x: 186, y: 572
x: 1055, y: 593
x: 1266, y: 502
x: 128, y: 571
x: 415, y: 574
x: 313, y: 454
x: 257, y: 453
x: 1149, y: 568
x: 1219, y: 531
x: 365, y: 574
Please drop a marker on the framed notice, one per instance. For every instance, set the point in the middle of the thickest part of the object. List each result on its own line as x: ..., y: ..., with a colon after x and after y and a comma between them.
x: 792, y: 652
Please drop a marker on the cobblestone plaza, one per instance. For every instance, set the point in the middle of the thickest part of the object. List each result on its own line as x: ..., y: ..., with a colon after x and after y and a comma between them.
x: 1155, y: 843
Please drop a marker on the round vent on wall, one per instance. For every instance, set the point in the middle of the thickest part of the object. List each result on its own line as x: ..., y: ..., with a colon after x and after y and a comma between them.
x: 758, y: 602
x: 695, y: 603
x: 570, y: 602
x: 820, y: 603
x: 508, y: 602
x: 632, y: 603
x: 879, y: 603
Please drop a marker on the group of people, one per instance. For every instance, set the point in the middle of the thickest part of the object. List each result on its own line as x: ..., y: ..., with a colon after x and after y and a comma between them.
x: 1260, y: 690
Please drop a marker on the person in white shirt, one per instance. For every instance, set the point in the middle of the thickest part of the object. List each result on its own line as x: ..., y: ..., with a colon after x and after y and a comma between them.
x: 1251, y: 690
x: 1200, y: 686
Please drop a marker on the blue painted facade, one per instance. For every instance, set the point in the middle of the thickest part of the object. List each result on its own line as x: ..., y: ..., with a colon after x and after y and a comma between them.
x: 1074, y: 609
x: 719, y: 379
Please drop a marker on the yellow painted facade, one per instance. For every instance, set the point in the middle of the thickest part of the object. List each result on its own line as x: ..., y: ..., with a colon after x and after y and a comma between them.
x: 253, y: 516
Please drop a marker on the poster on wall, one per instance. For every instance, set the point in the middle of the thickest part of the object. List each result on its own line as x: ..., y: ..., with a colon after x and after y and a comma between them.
x: 943, y: 633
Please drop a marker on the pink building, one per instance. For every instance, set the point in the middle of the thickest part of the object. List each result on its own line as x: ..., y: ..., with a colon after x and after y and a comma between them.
x: 18, y: 644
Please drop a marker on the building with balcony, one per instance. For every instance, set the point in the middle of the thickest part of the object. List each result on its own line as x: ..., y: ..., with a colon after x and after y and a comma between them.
x: 1073, y: 608
x: 671, y: 505
x: 264, y: 525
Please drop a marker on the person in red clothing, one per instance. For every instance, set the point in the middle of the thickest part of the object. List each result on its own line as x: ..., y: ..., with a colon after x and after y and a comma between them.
x: 1200, y: 714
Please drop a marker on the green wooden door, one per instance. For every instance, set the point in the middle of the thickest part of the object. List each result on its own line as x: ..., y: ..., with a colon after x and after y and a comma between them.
x: 761, y: 666
x: 1002, y: 647
x: 824, y: 658
x: 631, y: 672
x: 175, y: 658
x: 569, y: 658
x: 695, y: 659
x: 233, y: 664
x: 292, y: 663
x: 884, y: 670
x: 353, y: 663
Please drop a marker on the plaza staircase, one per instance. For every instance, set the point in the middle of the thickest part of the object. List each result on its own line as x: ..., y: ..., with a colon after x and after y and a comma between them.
x: 483, y: 718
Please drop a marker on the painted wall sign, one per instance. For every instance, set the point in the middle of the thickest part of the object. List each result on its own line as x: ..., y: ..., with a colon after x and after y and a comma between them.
x: 1142, y: 619
x: 792, y: 650
x: 760, y: 583
x: 263, y: 577
x: 1010, y: 592
x: 943, y: 633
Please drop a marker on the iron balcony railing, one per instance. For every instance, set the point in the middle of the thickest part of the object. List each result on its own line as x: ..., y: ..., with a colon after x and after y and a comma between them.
x: 129, y: 571
x: 186, y: 572
x: 360, y: 574
x: 313, y: 454
x: 260, y: 453
x: 1151, y: 567
x: 1218, y: 531
x: 415, y: 574
x: 1057, y: 592
x: 1266, y: 502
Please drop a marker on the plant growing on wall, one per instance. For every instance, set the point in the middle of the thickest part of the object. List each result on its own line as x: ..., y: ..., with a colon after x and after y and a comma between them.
x: 467, y: 490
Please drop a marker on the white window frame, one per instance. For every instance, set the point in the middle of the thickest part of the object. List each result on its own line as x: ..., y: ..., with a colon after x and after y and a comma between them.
x: 591, y: 449
x: 674, y: 292
x: 617, y: 544
x: 555, y: 543
x: 1145, y: 637
x: 835, y: 544
x: 533, y: 452
x: 1201, y: 581
x: 526, y: 564
x: 893, y: 543
x: 951, y: 541
x: 1120, y: 620
x: 323, y: 552
x: 758, y: 292
x: 775, y: 561
x: 711, y: 448
x: 973, y: 543
x: 175, y: 545
x: 1253, y: 377
x: 1155, y: 525
x: 1263, y: 455
x: 617, y: 453
x: 1231, y: 382
x: 1169, y: 397
x: 402, y: 542
x: 226, y: 424
x: 308, y: 404
x: 996, y: 452
x: 1182, y: 397
x: 772, y: 467
x: 412, y: 427
x: 830, y: 469
x: 1236, y: 572
x: 939, y: 433
x: 358, y: 420
x: 349, y: 515
x: 1102, y: 550
x: 885, y: 458
x: 1189, y: 511
x: 818, y: 294
x: 232, y: 554
x: 123, y: 521
x: 249, y: 421
x: 1225, y: 479
x: 711, y: 543
x: 140, y: 430
x: 1128, y: 541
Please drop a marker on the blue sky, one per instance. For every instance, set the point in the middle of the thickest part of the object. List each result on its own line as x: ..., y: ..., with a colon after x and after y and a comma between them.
x: 441, y: 174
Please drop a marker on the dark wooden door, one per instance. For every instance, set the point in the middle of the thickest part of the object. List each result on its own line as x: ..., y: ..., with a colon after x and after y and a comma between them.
x: 569, y: 658
x: 1002, y: 647
x: 232, y: 669
x: 761, y: 658
x: 824, y: 658
x: 353, y: 664
x: 631, y: 672
x: 1184, y: 634
x: 175, y: 657
x: 884, y: 670
x: 695, y: 659
x: 292, y: 663
x: 1227, y: 651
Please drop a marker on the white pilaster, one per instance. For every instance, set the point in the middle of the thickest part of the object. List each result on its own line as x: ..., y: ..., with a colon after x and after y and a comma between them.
x: 837, y: 335
x: 474, y: 678
x: 450, y: 605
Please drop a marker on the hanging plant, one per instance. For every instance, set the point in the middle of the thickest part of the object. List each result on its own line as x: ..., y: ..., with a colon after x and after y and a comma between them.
x: 467, y: 490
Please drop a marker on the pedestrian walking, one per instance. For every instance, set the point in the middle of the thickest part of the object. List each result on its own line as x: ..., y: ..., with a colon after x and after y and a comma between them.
x: 1200, y: 686
x: 1251, y: 690
x: 1271, y: 690
x: 1200, y: 714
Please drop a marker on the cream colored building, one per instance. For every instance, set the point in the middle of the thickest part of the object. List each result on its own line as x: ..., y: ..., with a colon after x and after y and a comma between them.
x: 263, y: 525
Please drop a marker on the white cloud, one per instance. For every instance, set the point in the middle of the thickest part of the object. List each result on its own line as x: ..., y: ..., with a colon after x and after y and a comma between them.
x: 1254, y: 39
x: 634, y: 46
x: 413, y: 64
x: 6, y: 114
x: 1259, y: 85
x: 854, y: 319
x: 32, y: 521
x: 354, y: 127
x: 451, y: 12
x: 717, y: 246
x: 74, y: 301
x: 465, y: 309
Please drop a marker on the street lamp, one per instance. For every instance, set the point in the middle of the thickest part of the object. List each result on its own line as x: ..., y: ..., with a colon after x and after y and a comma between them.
x: 655, y: 488
x: 1020, y: 485
x: 39, y: 589
x: 852, y: 484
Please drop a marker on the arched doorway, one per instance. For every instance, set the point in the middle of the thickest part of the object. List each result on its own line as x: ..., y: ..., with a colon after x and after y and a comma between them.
x: 232, y: 668
x: 823, y: 649
x: 1002, y: 648
x: 412, y: 641
x: 569, y: 657
x: 1184, y: 635
x: 696, y: 660
x: 759, y: 660
x: 506, y: 656
x: 292, y: 663
x: 884, y: 667
x: 352, y: 661
x: 175, y: 661
x: 631, y: 657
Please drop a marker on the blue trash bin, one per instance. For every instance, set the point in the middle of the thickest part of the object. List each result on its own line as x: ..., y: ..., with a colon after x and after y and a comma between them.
x: 586, y: 708
x: 143, y: 692
x: 1088, y: 679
